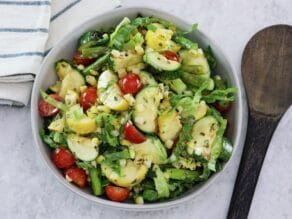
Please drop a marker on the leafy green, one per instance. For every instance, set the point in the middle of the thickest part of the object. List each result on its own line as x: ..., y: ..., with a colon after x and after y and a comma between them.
x: 150, y: 195
x: 118, y: 156
x: 210, y: 57
x: 187, y: 104
x: 121, y: 34
x: 160, y: 182
x: 109, y: 123
x: 220, y: 84
x: 220, y: 95
x: 184, y: 137
x: 134, y: 41
x: 53, y: 139
x: 141, y: 21
x: 184, y: 42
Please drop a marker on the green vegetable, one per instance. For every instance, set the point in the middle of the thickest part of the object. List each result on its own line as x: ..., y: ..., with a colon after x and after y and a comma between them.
x: 191, y: 106
x: 53, y: 139
x: 196, y: 80
x: 210, y: 57
x: 161, y: 184
x: 141, y: 21
x: 94, y: 176
x: 184, y: 42
x: 53, y: 102
x: 184, y: 137
x: 94, y: 42
x: 181, y: 174
x: 206, y: 172
x: 150, y: 195
x: 121, y: 34
x: 177, y: 85
x: 97, y: 64
x: 221, y: 95
x: 226, y: 150
x: 117, y: 156
x: 152, y: 148
x: 93, y: 52
x: 160, y: 62
x: 220, y: 84
x: 216, y: 148
x: 84, y: 164
x: 110, y: 123
x: 168, y: 75
x: 136, y: 40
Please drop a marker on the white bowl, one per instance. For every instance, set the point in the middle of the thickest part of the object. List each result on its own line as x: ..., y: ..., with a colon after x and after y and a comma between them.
x: 65, y: 50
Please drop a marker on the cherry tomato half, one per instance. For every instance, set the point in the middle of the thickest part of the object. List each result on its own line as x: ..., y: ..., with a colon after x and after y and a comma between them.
x: 77, y: 175
x: 63, y: 158
x: 88, y: 98
x: 130, y: 84
x: 79, y: 60
x: 132, y: 134
x: 171, y: 56
x: 116, y: 193
x: 46, y: 109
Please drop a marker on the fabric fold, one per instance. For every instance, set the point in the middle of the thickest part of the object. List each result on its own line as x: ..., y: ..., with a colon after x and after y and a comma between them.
x: 28, y: 30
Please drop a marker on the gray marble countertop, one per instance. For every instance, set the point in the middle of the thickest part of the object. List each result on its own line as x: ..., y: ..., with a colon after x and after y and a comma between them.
x: 29, y: 190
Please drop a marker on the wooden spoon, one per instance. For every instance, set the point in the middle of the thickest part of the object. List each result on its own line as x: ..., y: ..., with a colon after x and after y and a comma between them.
x: 267, y: 74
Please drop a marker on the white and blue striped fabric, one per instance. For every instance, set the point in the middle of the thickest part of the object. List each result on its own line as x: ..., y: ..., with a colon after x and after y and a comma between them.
x: 28, y: 30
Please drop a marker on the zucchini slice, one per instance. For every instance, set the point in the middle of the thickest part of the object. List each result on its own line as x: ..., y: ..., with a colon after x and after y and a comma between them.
x: 151, y: 149
x: 169, y: 127
x: 84, y: 148
x: 71, y: 78
x: 146, y: 109
x: 194, y: 61
x: 129, y: 175
x: 109, y: 92
x: 204, y: 132
x: 159, y: 62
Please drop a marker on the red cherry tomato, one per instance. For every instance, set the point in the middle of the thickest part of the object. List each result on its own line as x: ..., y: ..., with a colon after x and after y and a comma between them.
x: 171, y: 56
x: 79, y: 60
x: 130, y: 84
x: 63, y: 158
x: 132, y: 134
x: 77, y: 175
x: 117, y: 194
x: 222, y: 107
x: 88, y: 98
x: 46, y: 109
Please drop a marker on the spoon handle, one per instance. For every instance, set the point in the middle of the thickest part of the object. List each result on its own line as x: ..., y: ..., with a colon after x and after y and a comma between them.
x: 259, y: 133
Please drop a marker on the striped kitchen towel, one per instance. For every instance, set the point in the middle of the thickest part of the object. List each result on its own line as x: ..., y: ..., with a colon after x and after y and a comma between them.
x: 28, y: 30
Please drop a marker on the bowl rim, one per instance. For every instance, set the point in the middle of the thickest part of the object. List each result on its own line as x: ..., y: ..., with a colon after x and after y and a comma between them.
x: 239, y: 139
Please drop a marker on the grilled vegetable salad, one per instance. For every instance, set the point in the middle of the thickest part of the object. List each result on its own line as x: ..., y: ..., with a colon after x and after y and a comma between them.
x: 137, y: 114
